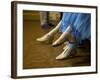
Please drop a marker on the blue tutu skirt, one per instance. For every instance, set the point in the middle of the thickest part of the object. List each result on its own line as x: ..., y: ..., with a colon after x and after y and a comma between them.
x: 80, y: 23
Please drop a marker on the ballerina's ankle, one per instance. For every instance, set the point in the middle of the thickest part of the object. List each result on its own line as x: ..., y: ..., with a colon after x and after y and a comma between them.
x: 72, y: 44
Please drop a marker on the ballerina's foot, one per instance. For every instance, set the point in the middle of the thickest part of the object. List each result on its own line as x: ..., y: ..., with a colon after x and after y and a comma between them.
x: 66, y: 43
x: 45, y: 39
x: 57, y: 43
x: 66, y: 52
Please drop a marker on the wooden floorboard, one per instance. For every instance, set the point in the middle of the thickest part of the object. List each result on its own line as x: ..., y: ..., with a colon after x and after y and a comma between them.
x: 39, y: 55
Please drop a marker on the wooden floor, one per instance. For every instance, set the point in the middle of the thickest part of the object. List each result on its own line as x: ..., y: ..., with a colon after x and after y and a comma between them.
x: 39, y: 55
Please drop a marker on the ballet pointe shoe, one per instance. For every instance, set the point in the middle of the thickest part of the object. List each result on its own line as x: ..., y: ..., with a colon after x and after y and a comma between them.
x: 57, y: 42
x: 66, y: 43
x: 65, y: 54
x: 65, y: 47
x: 48, y: 39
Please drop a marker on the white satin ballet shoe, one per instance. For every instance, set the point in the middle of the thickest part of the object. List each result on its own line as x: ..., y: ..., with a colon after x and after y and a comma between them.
x: 65, y: 43
x: 66, y: 52
x: 65, y: 47
x: 46, y: 39
x: 57, y: 42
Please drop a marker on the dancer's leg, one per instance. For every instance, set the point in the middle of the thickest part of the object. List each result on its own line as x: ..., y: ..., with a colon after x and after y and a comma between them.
x: 63, y: 37
x: 55, y: 30
x: 49, y: 36
x: 43, y: 18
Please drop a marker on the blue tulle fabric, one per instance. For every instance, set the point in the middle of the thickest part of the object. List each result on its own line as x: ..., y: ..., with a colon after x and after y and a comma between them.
x: 80, y: 23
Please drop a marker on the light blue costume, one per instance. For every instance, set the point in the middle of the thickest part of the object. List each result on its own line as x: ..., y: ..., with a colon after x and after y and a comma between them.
x: 80, y: 23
